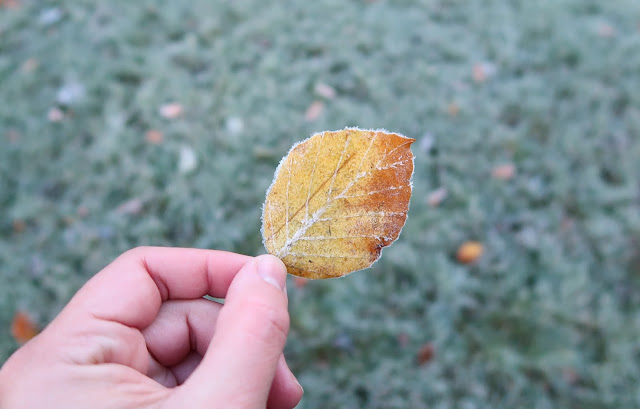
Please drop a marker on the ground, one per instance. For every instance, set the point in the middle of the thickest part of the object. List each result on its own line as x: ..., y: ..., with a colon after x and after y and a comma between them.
x: 162, y: 122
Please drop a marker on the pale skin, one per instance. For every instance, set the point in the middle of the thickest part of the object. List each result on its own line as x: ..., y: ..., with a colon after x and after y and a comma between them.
x: 140, y: 335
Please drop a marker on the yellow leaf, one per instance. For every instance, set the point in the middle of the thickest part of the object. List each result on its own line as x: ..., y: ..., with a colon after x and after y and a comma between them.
x: 336, y: 200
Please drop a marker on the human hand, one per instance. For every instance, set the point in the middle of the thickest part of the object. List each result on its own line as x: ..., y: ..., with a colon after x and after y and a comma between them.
x: 140, y: 335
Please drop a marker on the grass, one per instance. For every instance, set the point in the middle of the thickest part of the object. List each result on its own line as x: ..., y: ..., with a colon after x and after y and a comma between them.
x: 547, y: 318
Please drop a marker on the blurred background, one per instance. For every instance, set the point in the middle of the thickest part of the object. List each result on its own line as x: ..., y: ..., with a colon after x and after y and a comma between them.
x: 516, y: 281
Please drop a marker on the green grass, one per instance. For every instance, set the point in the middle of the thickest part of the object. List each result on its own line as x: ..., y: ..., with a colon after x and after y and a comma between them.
x: 548, y: 317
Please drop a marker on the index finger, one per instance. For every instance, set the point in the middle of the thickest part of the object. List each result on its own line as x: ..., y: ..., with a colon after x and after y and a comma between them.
x: 131, y: 289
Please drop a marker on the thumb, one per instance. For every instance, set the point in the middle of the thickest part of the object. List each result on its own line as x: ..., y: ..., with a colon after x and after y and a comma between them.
x: 239, y: 366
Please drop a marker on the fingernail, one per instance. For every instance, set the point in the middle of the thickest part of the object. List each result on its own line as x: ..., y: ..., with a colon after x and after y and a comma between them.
x: 272, y: 270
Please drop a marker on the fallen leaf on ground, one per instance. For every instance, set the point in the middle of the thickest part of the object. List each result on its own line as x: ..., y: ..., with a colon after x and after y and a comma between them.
x: 22, y: 327
x: 300, y: 282
x: 606, y: 30
x: 314, y: 111
x: 55, y: 115
x: 131, y: 206
x: 9, y: 4
x: 336, y: 200
x: 13, y: 136
x: 19, y: 226
x: 504, y: 172
x: 437, y: 196
x: 28, y: 66
x: 478, y: 74
x: 426, y: 353
x: 82, y: 211
x: 453, y: 109
x: 483, y: 71
x: 469, y: 252
x: 171, y: 110
x: 325, y: 90
x: 570, y: 376
x: 154, y: 137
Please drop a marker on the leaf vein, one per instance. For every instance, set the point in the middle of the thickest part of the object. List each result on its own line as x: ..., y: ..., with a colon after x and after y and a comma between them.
x: 378, y: 214
x: 373, y: 192
x: 313, y: 171
x: 335, y: 172
x: 409, y: 142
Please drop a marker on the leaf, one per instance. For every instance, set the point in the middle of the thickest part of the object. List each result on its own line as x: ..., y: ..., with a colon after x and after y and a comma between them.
x: 483, y: 71
x: 131, y: 207
x: 9, y: 4
x: 453, y: 109
x: 437, y: 196
x: 469, y: 252
x: 23, y: 328
x: 300, y: 282
x: 325, y: 90
x: 314, y: 111
x: 504, y: 172
x: 426, y: 353
x: 19, y: 226
x: 171, y: 110
x: 29, y: 65
x: 154, y: 137
x: 336, y: 200
x: 55, y: 115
